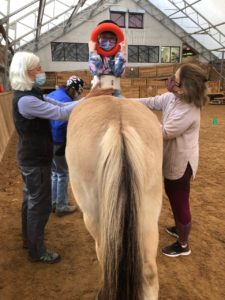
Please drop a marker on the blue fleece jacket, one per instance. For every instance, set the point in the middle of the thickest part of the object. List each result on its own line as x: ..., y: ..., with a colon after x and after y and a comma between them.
x: 59, y: 127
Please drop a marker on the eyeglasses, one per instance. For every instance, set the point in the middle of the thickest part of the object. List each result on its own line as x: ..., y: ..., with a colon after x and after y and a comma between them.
x: 173, y: 78
x: 104, y: 40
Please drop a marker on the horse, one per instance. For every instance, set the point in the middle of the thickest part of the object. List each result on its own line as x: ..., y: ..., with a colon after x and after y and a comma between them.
x: 114, y: 156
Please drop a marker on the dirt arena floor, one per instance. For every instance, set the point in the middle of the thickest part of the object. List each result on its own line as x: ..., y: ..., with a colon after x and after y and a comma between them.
x: 200, y: 276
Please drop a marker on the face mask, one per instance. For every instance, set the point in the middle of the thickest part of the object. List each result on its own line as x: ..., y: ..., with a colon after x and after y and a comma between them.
x: 40, y: 78
x: 107, y: 44
x: 171, y: 83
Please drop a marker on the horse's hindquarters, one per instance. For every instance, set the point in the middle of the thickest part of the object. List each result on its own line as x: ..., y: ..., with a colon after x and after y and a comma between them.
x: 114, y: 155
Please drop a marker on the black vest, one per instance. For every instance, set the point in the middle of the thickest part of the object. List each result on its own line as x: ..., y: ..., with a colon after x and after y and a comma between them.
x: 35, y: 147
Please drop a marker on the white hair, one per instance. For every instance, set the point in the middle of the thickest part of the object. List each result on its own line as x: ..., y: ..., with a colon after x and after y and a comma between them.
x: 18, y: 75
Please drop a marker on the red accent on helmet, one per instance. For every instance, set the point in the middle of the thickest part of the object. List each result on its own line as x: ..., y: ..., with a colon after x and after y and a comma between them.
x: 107, y: 27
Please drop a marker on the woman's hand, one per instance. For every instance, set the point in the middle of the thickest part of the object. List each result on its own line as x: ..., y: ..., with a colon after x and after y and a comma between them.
x: 97, y: 91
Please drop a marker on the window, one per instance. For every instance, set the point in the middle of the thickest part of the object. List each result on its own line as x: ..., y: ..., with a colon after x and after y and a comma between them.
x: 119, y: 18
x: 143, y: 54
x: 136, y: 20
x: 57, y: 51
x: 69, y: 51
x: 188, y: 51
x: 170, y: 54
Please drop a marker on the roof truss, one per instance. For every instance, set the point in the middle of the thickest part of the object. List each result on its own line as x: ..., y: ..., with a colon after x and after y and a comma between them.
x: 176, y: 29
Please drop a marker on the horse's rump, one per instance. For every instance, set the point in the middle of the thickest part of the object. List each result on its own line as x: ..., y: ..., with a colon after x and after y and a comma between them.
x: 114, y: 153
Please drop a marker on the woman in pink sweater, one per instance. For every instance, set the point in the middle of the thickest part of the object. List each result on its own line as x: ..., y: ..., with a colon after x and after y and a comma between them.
x: 181, y: 108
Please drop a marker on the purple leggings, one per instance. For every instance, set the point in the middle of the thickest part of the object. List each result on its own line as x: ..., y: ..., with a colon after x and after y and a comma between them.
x: 178, y: 192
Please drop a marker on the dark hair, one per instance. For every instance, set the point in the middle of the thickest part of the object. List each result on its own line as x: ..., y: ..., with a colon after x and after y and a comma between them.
x: 193, y: 83
x: 108, y: 21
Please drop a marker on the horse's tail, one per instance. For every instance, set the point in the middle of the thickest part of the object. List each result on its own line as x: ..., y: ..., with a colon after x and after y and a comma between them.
x: 121, y: 178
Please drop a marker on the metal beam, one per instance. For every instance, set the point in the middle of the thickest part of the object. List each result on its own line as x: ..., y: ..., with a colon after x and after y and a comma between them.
x: 202, y: 31
x: 4, y: 34
x: 4, y: 20
x: 80, y: 18
x: 6, y: 66
x: 180, y: 10
x: 169, y: 24
x: 222, y: 71
x: 189, y: 16
x: 35, y: 28
x: 74, y: 12
x: 39, y: 19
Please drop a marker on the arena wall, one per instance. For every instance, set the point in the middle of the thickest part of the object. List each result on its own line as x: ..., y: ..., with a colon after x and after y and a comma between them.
x: 6, y: 121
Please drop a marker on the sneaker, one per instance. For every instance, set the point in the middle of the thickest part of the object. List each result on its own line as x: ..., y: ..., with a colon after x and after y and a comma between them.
x: 65, y: 211
x: 176, y: 249
x: 47, y: 258
x: 172, y: 231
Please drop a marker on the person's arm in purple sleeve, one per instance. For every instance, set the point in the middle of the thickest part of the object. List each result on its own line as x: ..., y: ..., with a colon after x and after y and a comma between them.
x: 155, y: 103
x: 59, y: 103
x: 54, y: 102
x: 31, y: 107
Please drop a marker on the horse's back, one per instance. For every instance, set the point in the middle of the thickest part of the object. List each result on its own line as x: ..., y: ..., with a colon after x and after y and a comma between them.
x: 88, y: 124
x: 90, y: 120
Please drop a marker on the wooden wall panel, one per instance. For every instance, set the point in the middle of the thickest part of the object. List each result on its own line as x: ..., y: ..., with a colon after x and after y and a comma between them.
x: 62, y: 77
x: 50, y: 80
x: 163, y: 71
x: 131, y: 72
x: 6, y: 121
x: 133, y: 92
x: 147, y: 72
x: 125, y: 82
x: 213, y: 86
x: 138, y: 82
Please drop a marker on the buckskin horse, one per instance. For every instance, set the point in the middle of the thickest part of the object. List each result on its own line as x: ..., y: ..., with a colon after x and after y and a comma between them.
x: 114, y: 155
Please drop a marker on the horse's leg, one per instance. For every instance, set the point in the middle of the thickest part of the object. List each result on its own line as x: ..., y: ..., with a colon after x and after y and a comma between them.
x: 93, y: 228
x: 151, y: 211
x: 151, y: 285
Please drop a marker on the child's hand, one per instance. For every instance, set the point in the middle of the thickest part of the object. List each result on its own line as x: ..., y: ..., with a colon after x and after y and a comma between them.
x: 92, y: 46
x: 123, y: 47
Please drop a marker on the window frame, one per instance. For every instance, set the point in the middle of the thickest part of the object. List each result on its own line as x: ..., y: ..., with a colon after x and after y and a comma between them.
x: 149, y: 49
x: 137, y: 14
x: 122, y: 13
x: 171, y: 48
x: 64, y: 49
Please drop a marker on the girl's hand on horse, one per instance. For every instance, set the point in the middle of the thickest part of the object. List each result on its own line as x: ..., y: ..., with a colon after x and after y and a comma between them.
x: 97, y: 91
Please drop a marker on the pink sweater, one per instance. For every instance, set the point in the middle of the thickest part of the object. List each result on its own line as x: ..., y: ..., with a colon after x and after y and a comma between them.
x: 180, y: 129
